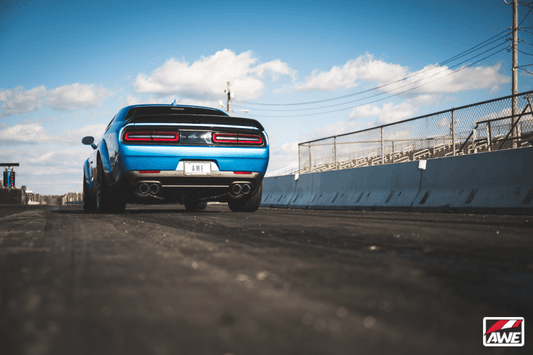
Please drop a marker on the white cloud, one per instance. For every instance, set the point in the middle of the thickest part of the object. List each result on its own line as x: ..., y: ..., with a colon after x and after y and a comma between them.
x: 74, y: 137
x: 27, y: 133
x: 20, y: 100
x: 63, y: 98
x: 207, y: 76
x: 434, y: 79
x: 59, y: 159
x: 364, y: 68
x: 35, y: 133
x: 76, y: 96
x: 387, y: 113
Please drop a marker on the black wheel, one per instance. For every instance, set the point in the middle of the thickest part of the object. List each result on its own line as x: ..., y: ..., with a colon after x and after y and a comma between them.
x: 193, y: 205
x: 106, y: 200
x: 89, y: 201
x: 247, y: 204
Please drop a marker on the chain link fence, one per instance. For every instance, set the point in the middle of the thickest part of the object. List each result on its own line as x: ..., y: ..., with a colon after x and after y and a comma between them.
x: 481, y: 127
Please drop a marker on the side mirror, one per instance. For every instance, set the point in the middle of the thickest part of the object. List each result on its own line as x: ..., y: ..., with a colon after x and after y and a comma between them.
x: 89, y: 141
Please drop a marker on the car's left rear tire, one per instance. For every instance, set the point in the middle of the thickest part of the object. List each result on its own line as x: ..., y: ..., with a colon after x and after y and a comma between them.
x: 89, y: 201
x: 106, y: 200
x: 193, y: 205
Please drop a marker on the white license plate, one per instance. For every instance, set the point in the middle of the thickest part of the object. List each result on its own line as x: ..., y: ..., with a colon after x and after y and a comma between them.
x: 197, y: 168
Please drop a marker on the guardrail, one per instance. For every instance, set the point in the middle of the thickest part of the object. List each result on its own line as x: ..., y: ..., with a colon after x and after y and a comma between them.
x: 502, y: 123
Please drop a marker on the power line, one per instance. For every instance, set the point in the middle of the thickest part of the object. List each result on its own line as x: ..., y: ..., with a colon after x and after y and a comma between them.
x: 524, y: 52
x: 531, y: 8
x: 460, y: 55
x: 384, y: 98
x: 382, y: 93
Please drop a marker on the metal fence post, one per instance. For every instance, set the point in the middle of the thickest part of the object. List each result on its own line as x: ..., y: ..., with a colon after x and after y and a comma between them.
x: 299, y: 168
x: 382, y: 148
x: 335, y: 151
x: 310, y: 162
x: 474, y: 138
x: 489, y: 137
x: 453, y: 131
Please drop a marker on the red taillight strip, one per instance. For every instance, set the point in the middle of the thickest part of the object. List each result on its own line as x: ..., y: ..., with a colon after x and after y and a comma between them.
x: 165, y: 136
x: 249, y: 139
x: 242, y: 172
x: 137, y: 136
x: 237, y: 138
x: 149, y: 171
x: 173, y: 137
x: 225, y: 138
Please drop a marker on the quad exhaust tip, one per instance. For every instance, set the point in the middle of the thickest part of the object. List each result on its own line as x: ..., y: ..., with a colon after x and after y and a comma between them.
x: 152, y: 189
x: 144, y: 188
x: 236, y: 189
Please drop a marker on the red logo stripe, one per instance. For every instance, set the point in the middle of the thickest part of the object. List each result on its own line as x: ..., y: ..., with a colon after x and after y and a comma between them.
x: 517, y: 323
x: 497, y: 326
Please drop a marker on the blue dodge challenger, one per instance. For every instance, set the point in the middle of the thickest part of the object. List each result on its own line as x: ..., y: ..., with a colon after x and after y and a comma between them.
x: 174, y: 153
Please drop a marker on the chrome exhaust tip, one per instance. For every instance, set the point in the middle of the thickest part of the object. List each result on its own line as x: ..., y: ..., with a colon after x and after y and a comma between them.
x: 246, y: 188
x: 144, y: 188
x: 154, y: 189
x: 236, y: 189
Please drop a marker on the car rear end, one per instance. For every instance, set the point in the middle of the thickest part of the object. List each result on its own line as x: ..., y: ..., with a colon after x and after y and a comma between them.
x: 178, y: 153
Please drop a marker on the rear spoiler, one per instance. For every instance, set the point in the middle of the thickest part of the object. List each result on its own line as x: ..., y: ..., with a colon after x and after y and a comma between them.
x: 194, y: 118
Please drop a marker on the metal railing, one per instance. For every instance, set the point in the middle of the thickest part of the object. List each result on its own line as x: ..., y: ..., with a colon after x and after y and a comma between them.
x: 480, y: 127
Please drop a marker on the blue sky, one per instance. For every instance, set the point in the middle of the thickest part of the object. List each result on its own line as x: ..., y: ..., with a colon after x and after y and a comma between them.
x: 67, y: 67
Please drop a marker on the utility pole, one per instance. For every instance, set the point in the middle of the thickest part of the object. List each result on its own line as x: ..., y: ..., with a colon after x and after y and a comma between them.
x: 229, y: 98
x: 514, y: 84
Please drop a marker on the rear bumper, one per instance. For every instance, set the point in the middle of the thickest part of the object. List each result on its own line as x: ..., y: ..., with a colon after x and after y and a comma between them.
x: 176, y: 185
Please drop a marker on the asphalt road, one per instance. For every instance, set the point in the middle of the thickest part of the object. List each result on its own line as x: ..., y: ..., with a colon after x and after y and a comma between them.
x: 159, y: 280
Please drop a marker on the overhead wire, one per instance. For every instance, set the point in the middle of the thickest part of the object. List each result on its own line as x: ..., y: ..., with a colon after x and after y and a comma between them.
x: 530, y: 8
x: 525, y: 52
x: 460, y: 55
x: 382, y: 93
x: 396, y: 94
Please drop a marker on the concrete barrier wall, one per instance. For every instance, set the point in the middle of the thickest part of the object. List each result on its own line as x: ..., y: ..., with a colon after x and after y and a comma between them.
x: 487, y: 182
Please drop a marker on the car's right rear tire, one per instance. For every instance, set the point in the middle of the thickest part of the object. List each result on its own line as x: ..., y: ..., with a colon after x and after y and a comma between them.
x: 249, y: 204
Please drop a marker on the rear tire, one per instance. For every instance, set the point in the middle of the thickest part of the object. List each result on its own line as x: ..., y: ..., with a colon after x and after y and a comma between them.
x: 193, y: 205
x: 89, y: 201
x: 106, y: 200
x: 250, y: 204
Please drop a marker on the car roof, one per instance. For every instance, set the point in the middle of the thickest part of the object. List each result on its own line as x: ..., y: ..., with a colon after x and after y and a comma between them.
x: 134, y: 110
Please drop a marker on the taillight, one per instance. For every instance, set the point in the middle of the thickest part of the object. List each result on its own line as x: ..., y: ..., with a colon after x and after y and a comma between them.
x: 172, y: 137
x: 225, y: 138
x: 138, y: 136
x: 237, y: 138
x: 165, y: 136
x: 149, y: 171
x: 250, y: 139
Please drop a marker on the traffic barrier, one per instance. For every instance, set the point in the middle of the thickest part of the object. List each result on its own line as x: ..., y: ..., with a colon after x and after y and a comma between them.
x: 500, y: 181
